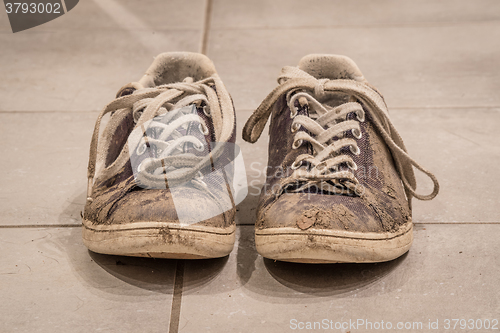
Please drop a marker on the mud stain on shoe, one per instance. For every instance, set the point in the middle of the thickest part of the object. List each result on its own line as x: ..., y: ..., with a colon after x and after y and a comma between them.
x: 385, y: 219
x: 307, y: 219
x: 389, y: 191
x: 323, y: 219
x: 381, y: 207
x: 165, y: 234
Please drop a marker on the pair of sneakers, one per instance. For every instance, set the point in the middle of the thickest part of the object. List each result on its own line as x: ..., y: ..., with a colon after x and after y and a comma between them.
x: 164, y: 176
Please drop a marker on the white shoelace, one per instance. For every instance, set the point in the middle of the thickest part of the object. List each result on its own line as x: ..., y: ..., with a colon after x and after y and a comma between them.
x: 170, y: 139
x: 325, y: 163
x: 326, y: 158
x: 158, y: 100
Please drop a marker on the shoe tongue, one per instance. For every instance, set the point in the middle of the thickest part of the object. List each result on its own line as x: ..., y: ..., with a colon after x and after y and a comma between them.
x: 329, y: 100
x: 333, y: 99
x: 176, y: 66
x: 333, y: 67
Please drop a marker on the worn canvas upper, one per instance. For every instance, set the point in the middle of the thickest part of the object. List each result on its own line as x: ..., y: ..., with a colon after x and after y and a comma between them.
x: 368, y: 191
x: 115, y: 195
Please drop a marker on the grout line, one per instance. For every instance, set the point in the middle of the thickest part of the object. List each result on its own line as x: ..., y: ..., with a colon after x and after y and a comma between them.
x: 64, y: 6
x: 428, y: 107
x: 422, y: 107
x: 468, y: 223
x: 428, y: 24
x: 53, y: 111
x: 206, y: 26
x: 175, y: 312
x: 107, y: 30
x: 443, y: 223
x: 433, y: 107
x: 37, y: 226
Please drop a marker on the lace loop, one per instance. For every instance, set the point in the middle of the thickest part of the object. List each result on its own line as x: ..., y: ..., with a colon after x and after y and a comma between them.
x: 319, y: 88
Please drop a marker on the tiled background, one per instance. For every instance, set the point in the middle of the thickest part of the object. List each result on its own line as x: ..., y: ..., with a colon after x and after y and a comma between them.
x: 437, y: 64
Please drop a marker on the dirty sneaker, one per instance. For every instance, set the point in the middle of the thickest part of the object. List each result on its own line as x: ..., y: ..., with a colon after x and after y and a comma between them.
x: 339, y: 179
x: 160, y: 175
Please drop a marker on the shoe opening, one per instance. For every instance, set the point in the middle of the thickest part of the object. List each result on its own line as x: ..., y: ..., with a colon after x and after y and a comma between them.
x: 174, y: 67
x: 333, y: 67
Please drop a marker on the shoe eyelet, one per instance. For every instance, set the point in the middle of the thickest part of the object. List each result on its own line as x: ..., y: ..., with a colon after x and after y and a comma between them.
x: 199, y: 147
x: 295, y: 127
x: 137, y: 115
x: 297, y: 144
x: 203, y: 129
x: 139, y: 167
x: 321, y: 167
x: 354, y: 149
x: 357, y: 133
x: 199, y: 176
x: 296, y: 165
x: 352, y: 165
x: 359, y: 189
x: 207, y: 113
x: 141, y: 149
x: 360, y: 114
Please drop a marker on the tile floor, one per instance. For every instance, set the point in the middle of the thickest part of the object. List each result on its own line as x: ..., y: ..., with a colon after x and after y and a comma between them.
x: 437, y: 65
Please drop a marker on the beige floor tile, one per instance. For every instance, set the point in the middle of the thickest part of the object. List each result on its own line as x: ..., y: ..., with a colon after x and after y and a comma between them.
x: 461, y: 146
x: 44, y: 166
x: 79, y: 70
x: 102, y: 15
x: 231, y: 14
x: 4, y: 22
x: 80, y: 60
x: 450, y: 272
x: 49, y: 282
x: 255, y: 158
x: 449, y: 65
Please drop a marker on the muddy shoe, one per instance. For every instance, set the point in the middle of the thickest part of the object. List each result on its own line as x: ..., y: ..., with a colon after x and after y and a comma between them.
x: 160, y: 175
x: 339, y: 180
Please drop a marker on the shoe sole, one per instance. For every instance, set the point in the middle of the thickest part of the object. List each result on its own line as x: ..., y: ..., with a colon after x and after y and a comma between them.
x: 159, y: 240
x: 326, y: 246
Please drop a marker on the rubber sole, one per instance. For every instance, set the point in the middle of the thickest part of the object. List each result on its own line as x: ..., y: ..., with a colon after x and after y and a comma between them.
x: 159, y: 240
x: 327, y: 246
